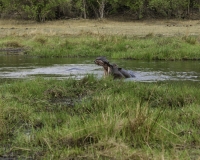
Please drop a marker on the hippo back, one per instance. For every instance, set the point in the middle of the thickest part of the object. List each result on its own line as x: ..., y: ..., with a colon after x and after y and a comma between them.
x: 127, y: 73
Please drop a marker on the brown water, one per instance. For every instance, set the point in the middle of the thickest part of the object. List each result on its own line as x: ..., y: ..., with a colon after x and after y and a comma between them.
x: 62, y: 68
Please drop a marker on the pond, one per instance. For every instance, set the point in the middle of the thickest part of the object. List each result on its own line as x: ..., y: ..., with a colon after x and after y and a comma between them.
x: 16, y: 66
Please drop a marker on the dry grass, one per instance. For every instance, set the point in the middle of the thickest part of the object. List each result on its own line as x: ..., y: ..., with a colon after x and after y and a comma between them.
x: 76, y: 27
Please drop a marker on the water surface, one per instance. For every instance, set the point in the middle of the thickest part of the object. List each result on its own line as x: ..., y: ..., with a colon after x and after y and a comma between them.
x: 27, y: 67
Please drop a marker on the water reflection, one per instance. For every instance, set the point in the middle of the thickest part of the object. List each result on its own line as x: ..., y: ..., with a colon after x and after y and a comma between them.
x: 27, y: 67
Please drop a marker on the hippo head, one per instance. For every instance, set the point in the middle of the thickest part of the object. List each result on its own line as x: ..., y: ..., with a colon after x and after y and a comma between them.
x: 101, y: 61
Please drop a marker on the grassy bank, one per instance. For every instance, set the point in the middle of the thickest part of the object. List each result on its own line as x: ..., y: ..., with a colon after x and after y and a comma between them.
x: 99, y: 119
x: 147, y: 48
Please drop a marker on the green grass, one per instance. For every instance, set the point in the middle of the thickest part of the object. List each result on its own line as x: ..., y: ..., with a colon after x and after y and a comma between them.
x: 92, y: 45
x: 99, y: 119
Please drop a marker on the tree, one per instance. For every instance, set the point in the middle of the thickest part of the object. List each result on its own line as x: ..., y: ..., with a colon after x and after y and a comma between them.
x: 40, y: 10
x: 101, y: 4
x: 97, y: 7
x: 134, y: 5
x: 170, y: 8
x: 81, y: 7
x: 8, y: 7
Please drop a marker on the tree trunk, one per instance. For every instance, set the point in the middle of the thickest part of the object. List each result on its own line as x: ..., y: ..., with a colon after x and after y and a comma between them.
x: 101, y: 8
x: 188, y: 8
x: 38, y: 17
x: 84, y: 9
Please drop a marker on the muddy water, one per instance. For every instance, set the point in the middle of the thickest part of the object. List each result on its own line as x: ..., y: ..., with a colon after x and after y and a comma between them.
x: 29, y: 67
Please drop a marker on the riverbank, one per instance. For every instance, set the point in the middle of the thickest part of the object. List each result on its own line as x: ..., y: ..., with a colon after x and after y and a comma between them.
x: 147, y: 40
x: 98, y: 119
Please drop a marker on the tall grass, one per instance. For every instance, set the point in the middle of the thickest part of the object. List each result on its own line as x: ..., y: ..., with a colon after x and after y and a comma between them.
x: 147, y: 48
x: 98, y: 119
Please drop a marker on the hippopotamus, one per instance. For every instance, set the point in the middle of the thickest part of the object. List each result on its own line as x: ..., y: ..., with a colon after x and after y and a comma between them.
x: 113, y: 69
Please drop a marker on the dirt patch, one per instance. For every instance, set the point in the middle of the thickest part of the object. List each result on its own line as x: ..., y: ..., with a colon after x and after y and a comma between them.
x: 109, y: 27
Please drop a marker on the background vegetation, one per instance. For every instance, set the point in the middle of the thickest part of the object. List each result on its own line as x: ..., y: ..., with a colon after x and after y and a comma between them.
x: 150, y: 47
x: 41, y: 10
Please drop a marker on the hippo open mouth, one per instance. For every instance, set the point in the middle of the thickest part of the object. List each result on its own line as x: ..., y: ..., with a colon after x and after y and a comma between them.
x: 99, y: 62
x: 102, y: 61
x: 113, y: 69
